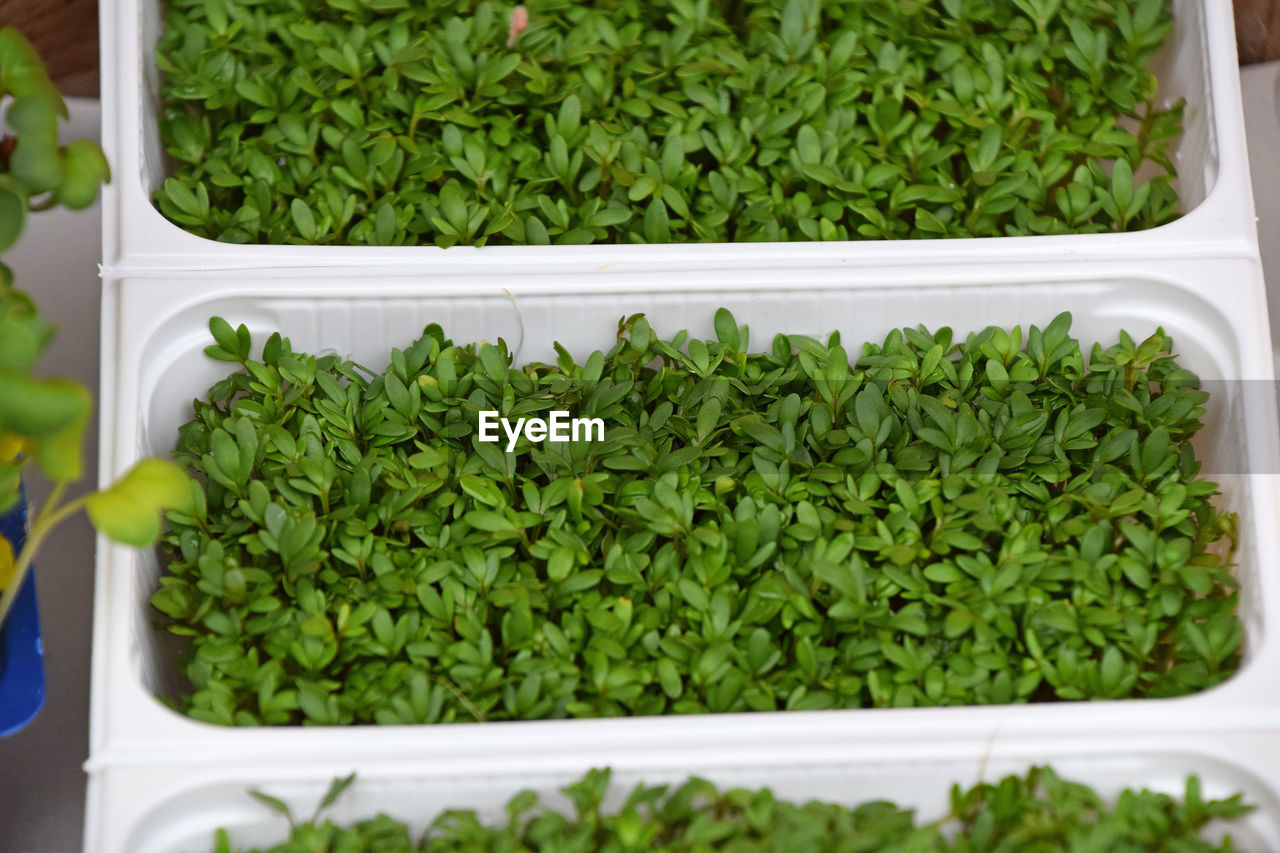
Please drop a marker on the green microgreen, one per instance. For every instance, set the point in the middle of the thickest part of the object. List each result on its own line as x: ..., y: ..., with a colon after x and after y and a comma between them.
x: 931, y: 522
x: 397, y: 123
x: 1037, y: 812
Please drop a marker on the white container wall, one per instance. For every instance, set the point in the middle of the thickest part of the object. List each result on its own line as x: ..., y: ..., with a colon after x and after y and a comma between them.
x: 153, y: 366
x: 1198, y: 64
x: 150, y: 809
x: 161, y: 782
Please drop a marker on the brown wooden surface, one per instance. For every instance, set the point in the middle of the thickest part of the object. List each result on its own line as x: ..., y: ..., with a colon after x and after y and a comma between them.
x: 1257, y: 30
x: 66, y: 34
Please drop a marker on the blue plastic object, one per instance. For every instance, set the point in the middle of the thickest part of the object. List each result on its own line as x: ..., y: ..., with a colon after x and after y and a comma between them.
x: 21, y: 655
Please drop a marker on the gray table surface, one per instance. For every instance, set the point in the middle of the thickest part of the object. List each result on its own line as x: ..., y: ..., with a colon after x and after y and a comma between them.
x: 1260, y: 89
x: 42, y: 783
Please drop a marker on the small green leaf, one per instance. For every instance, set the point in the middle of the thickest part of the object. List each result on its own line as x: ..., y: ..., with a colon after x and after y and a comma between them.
x: 13, y: 211
x: 336, y: 789
x: 303, y: 219
x: 128, y: 510
x: 273, y: 803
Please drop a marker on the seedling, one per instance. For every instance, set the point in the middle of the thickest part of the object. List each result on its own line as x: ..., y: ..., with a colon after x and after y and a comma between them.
x: 1039, y: 811
x: 933, y: 521
x: 396, y: 123
x: 42, y: 420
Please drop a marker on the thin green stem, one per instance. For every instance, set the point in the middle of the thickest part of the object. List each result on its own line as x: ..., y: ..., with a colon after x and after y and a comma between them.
x: 49, y: 517
x: 48, y: 202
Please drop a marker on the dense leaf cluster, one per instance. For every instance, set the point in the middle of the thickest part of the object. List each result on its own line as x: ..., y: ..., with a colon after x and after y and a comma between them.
x: 386, y: 122
x: 1038, y: 813
x: 939, y: 522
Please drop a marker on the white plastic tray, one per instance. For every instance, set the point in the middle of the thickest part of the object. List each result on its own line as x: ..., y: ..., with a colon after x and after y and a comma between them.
x: 153, y: 366
x: 1260, y: 88
x: 1198, y: 64
x: 146, y: 809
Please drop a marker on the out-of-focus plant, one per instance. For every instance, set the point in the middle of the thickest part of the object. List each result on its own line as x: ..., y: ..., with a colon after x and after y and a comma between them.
x: 43, y: 419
